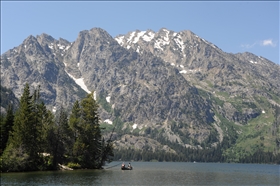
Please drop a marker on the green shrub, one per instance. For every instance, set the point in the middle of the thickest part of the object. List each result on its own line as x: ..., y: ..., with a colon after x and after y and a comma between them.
x: 73, y: 165
x: 14, y: 160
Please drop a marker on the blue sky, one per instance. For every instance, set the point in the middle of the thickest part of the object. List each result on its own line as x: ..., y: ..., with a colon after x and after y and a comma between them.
x: 232, y: 26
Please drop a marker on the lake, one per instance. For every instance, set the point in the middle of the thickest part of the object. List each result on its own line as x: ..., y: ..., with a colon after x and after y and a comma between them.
x: 154, y: 173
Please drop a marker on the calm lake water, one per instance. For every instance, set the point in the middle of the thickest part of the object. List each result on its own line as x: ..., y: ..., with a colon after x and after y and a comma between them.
x: 154, y: 173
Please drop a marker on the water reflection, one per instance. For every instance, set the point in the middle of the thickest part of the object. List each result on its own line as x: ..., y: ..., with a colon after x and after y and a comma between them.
x: 145, y: 173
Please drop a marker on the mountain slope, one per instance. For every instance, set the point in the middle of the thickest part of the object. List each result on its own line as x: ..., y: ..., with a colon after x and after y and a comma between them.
x: 143, y: 90
x: 242, y: 87
x: 37, y: 61
x: 158, y: 89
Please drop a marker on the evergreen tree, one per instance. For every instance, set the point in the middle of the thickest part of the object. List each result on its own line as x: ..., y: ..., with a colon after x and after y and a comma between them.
x: 58, y: 138
x: 24, y: 146
x: 74, y: 119
x: 106, y: 151
x: 7, y: 123
x: 64, y: 135
x: 89, y: 150
x: 38, y: 142
x: 88, y: 144
x: 48, y: 138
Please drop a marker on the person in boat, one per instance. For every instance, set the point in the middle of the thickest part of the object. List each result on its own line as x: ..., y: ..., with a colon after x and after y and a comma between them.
x: 129, y: 165
x: 123, y: 165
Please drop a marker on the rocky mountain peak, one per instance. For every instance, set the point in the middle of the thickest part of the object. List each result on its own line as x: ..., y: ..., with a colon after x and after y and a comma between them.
x: 175, y: 83
x: 30, y: 40
x: 90, y: 46
x: 45, y: 38
x: 99, y: 32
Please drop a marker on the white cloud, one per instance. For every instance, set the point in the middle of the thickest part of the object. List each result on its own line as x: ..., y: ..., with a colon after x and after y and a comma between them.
x: 268, y: 42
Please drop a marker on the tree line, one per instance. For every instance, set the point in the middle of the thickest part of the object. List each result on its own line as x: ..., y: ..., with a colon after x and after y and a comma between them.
x: 33, y: 138
x: 183, y: 154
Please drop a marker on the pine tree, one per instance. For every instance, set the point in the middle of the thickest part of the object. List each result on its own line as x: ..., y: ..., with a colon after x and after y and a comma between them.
x: 24, y: 146
x: 6, y: 127
x: 89, y: 150
x: 74, y: 119
x: 52, y: 144
x: 64, y: 135
x: 90, y: 135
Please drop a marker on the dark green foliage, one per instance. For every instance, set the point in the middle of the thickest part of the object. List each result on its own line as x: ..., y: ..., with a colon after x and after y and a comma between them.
x: 25, y: 137
x: 212, y: 138
x: 276, y: 128
x: 39, y: 141
x: 261, y: 157
x: 88, y: 144
x: 73, y: 165
x: 89, y: 150
x: 106, y: 151
x: 119, y: 124
x: 74, y: 119
x: 206, y: 154
x: 187, y: 154
x: 190, y: 155
x: 103, y: 102
x: 58, y: 139
x: 7, y: 123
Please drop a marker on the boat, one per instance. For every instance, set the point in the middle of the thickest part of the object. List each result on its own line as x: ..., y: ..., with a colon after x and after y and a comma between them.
x: 123, y: 167
x: 126, y: 168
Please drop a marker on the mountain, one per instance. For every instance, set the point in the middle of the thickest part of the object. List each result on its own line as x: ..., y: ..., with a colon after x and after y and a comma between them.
x: 158, y: 89
x: 208, y: 68
x: 37, y: 61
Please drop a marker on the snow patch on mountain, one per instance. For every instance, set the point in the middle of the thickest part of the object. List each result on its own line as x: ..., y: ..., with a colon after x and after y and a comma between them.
x: 134, y: 126
x: 138, y: 48
x: 120, y: 40
x: 94, y: 95
x: 254, y: 62
x: 108, y: 121
x: 108, y: 98
x: 148, y: 36
x: 166, y: 38
x: 162, y: 41
x: 80, y: 82
x: 67, y: 47
x: 178, y: 40
x: 183, y: 72
x: 60, y: 46
x: 131, y: 36
x: 139, y: 34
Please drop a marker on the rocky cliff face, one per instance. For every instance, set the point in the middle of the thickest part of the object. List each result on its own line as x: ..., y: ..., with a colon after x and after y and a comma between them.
x: 208, y: 68
x: 38, y: 61
x: 177, y: 85
x: 143, y: 90
x: 7, y: 97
